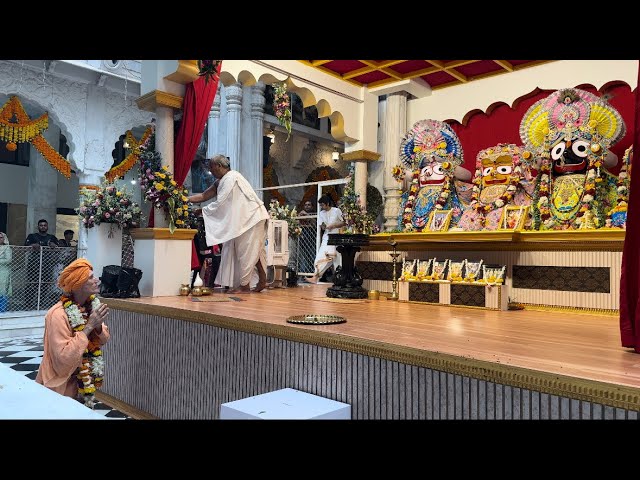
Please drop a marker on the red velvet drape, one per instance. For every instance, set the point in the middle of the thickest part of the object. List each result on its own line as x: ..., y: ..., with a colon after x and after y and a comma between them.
x: 198, y: 98
x: 629, y: 280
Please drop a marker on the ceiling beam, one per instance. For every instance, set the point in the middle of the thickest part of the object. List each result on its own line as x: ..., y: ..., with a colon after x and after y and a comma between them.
x: 358, y: 72
x: 317, y: 63
x: 388, y: 63
x: 458, y: 63
x: 505, y: 64
x: 420, y: 73
x: 443, y: 85
x: 436, y: 63
x: 456, y: 74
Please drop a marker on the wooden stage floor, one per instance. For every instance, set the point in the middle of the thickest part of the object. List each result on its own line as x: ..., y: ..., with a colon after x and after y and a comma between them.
x: 583, y: 346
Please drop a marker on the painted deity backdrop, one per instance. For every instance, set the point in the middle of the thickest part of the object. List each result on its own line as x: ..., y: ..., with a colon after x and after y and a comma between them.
x: 501, y: 122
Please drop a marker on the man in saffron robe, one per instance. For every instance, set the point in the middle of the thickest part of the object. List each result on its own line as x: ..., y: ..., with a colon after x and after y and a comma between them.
x: 64, y: 347
x: 237, y: 218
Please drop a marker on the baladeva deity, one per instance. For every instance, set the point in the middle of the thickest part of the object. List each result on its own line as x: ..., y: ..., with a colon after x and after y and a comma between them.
x: 570, y: 133
x: 502, y: 178
x: 431, y: 155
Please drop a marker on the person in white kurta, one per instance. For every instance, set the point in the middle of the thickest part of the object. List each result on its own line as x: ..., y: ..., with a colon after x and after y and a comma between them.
x: 330, y: 218
x: 237, y: 219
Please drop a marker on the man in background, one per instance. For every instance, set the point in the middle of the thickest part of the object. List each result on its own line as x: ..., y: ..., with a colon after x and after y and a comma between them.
x: 68, y: 240
x: 40, y: 268
x: 237, y: 219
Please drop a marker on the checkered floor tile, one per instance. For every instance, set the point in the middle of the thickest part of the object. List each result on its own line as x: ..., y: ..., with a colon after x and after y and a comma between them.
x: 25, y: 354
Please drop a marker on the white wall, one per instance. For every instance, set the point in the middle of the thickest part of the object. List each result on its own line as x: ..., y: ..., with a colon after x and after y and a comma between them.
x: 455, y: 102
x: 68, y: 195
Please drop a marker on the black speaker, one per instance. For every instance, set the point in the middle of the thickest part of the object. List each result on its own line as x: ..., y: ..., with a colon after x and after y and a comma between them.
x: 120, y: 282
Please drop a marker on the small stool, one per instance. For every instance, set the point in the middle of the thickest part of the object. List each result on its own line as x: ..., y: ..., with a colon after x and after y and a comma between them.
x: 285, y: 404
x: 279, y: 276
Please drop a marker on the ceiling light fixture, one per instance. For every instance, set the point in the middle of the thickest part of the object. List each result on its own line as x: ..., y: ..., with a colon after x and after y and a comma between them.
x: 335, y: 155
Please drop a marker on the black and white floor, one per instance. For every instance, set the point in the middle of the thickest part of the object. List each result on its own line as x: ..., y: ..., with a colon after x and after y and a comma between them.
x: 24, y: 355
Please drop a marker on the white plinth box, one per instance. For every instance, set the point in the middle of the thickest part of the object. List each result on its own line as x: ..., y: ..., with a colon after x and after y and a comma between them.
x: 492, y: 297
x: 104, y: 246
x: 285, y: 404
x: 164, y: 258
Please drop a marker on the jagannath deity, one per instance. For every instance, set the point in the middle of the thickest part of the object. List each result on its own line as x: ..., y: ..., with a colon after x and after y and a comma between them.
x: 570, y: 133
x: 502, y: 178
x: 431, y: 157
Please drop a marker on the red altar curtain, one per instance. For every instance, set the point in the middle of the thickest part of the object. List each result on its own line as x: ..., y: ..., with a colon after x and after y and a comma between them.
x: 629, y: 284
x: 198, y: 98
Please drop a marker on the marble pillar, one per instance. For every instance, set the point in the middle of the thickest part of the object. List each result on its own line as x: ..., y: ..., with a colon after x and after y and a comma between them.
x: 233, y: 96
x: 165, y: 135
x: 213, y: 126
x: 395, y: 127
x: 361, y: 158
x: 43, y: 185
x: 256, y: 134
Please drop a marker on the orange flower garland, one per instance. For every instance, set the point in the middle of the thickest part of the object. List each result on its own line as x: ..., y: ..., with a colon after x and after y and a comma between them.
x: 123, y: 167
x: 23, y: 130
x: 90, y: 373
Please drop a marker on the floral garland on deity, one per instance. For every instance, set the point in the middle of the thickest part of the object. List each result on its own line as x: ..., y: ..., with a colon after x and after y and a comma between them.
x: 514, y: 179
x: 594, y: 177
x: 448, y: 169
x: 622, y: 186
x: 91, y: 373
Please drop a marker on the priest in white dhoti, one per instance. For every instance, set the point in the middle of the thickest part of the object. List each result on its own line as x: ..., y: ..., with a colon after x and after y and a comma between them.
x: 330, y: 219
x: 237, y: 219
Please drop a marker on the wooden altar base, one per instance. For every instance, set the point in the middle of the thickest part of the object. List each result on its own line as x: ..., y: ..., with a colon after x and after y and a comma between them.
x: 570, y: 356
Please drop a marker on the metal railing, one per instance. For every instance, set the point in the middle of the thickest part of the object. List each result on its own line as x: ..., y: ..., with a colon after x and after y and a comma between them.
x: 28, y: 279
x: 302, y: 249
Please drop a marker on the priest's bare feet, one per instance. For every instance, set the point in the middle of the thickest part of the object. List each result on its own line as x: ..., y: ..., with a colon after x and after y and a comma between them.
x: 259, y: 287
x: 241, y: 289
x: 313, y: 279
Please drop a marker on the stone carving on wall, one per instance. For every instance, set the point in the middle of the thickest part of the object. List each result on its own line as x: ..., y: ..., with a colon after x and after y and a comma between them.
x: 65, y: 101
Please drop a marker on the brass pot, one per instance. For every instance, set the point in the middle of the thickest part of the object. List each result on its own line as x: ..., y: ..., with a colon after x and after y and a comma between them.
x: 185, y: 290
x: 196, y: 291
x: 374, y: 295
x: 206, y: 290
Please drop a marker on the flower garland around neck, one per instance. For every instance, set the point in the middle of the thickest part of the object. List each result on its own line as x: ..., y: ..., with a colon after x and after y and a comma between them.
x: 90, y: 374
x: 594, y: 176
x: 508, y: 194
x: 445, y: 191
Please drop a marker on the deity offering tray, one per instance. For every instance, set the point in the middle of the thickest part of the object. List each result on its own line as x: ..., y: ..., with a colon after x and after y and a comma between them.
x: 312, y: 319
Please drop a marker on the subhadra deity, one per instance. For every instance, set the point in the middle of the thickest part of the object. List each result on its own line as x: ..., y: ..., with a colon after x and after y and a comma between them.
x: 501, y: 179
x: 570, y: 133
x: 432, y: 157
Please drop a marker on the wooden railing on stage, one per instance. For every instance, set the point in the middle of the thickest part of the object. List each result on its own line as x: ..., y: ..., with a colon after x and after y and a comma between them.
x: 569, y: 269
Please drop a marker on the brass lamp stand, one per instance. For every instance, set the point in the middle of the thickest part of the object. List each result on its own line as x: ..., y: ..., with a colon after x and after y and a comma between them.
x: 394, y: 255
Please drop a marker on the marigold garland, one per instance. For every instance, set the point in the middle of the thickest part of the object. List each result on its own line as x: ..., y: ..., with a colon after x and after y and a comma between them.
x: 282, y: 106
x: 16, y: 127
x: 134, y: 155
x: 91, y: 373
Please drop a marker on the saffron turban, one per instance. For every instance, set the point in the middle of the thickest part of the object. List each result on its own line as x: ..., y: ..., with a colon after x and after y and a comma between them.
x: 75, y: 275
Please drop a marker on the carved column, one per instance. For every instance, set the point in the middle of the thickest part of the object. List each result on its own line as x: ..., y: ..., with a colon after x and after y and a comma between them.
x: 395, y: 128
x: 361, y: 159
x: 213, y: 126
x: 253, y: 167
x: 233, y: 95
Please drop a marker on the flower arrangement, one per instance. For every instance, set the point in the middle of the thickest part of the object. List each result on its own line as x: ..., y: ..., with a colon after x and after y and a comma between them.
x: 282, y: 106
x: 617, y: 216
x: 356, y: 218
x: 109, y: 204
x: 162, y: 190
x: 278, y: 212
x: 91, y: 372
x: 397, y: 173
x: 208, y: 69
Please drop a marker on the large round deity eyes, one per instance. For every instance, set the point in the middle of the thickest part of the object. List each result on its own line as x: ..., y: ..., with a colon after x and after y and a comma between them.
x: 557, y: 151
x: 504, y: 169
x: 487, y: 171
x: 438, y: 169
x: 580, y: 148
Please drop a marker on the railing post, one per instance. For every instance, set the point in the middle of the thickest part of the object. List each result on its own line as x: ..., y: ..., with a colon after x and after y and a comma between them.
x: 39, y: 278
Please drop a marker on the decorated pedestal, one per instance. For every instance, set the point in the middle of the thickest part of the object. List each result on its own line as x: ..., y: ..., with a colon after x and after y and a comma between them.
x: 104, y: 246
x: 347, y: 282
x: 455, y: 294
x: 164, y: 258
